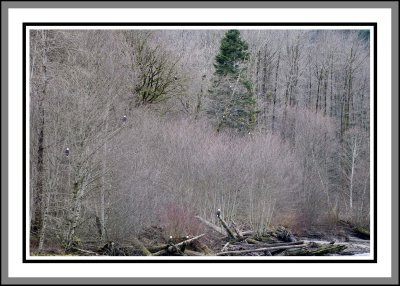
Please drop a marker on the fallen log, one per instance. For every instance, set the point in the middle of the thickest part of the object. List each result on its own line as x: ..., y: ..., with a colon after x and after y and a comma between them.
x: 361, y: 232
x: 264, y: 249
x: 238, y: 232
x: 173, y: 248
x: 266, y: 238
x: 190, y: 240
x: 284, y: 234
x: 260, y: 244
x: 358, y: 231
x: 251, y: 241
x: 85, y: 251
x: 201, y: 247
x: 248, y: 232
x: 327, y: 249
x: 225, y: 247
x: 193, y: 253
x: 158, y: 247
x: 211, y: 225
x: 274, y: 252
x: 139, y: 245
x: 320, y: 251
x: 284, y: 243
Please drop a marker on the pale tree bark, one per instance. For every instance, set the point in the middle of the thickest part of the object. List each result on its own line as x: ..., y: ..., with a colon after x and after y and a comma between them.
x: 354, y: 156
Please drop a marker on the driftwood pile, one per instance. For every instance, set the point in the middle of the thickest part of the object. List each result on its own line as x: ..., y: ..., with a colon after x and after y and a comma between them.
x: 279, y: 241
x: 188, y: 246
x: 230, y: 241
x: 356, y: 231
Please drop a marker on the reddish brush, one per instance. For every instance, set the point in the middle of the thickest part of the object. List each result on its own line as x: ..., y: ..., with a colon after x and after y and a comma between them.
x: 179, y: 221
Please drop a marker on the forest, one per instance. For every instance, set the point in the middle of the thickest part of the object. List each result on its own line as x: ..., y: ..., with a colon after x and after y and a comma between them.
x: 197, y: 137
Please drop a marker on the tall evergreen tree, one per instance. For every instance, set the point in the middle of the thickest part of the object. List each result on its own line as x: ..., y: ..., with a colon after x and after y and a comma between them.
x: 232, y: 54
x: 231, y: 100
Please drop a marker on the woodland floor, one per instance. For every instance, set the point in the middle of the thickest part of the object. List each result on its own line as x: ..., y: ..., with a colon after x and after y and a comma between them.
x: 344, y: 240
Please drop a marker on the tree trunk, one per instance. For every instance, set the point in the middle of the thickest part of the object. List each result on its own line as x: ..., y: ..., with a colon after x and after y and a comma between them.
x: 229, y: 232
x: 44, y: 226
x: 37, y: 223
x: 325, y: 89
x: 74, y: 213
x: 275, y: 92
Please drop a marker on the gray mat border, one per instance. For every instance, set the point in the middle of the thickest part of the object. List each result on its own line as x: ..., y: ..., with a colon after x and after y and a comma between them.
x: 393, y: 5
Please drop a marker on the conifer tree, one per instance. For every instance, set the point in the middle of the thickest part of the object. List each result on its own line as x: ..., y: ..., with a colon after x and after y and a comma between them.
x: 231, y: 100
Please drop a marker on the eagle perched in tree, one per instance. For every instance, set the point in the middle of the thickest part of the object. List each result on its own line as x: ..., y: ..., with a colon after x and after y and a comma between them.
x: 218, y: 212
x: 66, y: 152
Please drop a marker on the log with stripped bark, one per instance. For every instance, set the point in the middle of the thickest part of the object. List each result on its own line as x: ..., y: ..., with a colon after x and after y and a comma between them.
x: 177, y: 247
x: 264, y: 249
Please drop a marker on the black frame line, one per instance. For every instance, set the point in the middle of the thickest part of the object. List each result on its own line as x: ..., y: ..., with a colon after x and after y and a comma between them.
x: 225, y: 24
x: 289, y: 24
